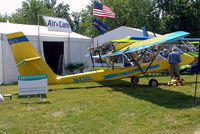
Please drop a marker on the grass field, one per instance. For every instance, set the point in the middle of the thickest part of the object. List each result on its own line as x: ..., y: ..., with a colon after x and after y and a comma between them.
x: 114, y: 107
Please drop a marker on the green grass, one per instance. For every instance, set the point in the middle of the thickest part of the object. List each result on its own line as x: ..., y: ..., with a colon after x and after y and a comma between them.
x: 114, y: 107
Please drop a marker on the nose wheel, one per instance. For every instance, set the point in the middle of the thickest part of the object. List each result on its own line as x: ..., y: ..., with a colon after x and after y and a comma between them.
x: 153, y: 83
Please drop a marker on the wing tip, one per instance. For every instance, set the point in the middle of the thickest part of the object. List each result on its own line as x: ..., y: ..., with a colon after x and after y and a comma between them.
x: 183, y: 33
x: 14, y: 35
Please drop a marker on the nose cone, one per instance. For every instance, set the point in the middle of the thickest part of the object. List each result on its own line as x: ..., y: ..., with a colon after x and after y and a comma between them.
x: 186, y: 59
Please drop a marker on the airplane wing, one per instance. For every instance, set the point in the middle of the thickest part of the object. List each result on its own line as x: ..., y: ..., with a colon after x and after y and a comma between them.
x: 121, y: 43
x: 150, y: 42
x: 131, y: 39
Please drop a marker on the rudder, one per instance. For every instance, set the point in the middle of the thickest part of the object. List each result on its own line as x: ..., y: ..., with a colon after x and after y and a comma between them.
x: 28, y: 60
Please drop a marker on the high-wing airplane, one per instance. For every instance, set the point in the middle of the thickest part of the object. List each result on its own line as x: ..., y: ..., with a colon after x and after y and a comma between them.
x: 29, y: 61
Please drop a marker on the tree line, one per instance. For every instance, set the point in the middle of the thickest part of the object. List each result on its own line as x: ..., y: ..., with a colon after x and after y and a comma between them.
x: 159, y: 16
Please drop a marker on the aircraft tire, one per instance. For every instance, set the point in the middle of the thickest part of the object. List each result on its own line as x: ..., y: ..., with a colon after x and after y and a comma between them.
x: 134, y: 79
x: 153, y: 83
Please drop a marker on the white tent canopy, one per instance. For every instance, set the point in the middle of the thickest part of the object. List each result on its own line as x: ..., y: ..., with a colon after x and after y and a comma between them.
x: 119, y: 33
x: 75, y: 47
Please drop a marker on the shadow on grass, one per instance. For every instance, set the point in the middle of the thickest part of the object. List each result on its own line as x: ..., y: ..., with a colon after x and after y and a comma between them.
x: 72, y: 88
x: 36, y: 102
x: 155, y: 95
x: 34, y: 99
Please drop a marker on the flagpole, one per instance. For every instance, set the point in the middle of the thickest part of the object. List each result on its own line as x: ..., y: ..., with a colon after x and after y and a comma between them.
x: 92, y: 36
x: 197, y: 71
x: 69, y: 47
x: 92, y: 24
x: 3, y: 72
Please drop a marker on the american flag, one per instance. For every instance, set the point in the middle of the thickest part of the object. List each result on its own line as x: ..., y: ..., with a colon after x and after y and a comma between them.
x: 101, y: 10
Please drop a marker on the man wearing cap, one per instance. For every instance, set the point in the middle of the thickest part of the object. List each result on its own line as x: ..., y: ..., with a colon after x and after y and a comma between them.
x: 165, y: 53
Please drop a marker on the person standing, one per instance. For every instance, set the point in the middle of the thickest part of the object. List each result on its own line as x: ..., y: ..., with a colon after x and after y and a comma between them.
x: 174, y: 59
x: 165, y: 53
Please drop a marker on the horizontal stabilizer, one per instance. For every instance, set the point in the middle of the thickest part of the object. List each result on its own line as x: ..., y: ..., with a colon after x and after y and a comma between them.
x: 29, y: 59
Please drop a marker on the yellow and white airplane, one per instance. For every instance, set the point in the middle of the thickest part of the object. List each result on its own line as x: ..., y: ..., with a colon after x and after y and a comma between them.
x: 29, y: 61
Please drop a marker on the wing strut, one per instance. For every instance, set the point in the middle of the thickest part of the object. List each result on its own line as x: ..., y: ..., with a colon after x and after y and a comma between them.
x: 136, y: 63
x: 92, y: 61
x: 152, y: 61
x: 99, y: 54
x: 142, y: 55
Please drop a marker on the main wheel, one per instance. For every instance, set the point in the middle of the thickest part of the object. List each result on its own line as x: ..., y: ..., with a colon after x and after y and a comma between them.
x: 153, y: 83
x: 134, y: 79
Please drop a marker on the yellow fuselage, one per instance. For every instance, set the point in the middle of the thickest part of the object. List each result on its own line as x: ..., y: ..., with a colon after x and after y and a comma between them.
x: 118, y: 73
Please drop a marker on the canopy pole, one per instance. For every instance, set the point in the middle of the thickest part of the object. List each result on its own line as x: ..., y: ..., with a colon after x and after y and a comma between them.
x: 3, y: 80
x: 197, y: 71
x: 69, y: 47
x: 39, y: 49
x: 92, y: 24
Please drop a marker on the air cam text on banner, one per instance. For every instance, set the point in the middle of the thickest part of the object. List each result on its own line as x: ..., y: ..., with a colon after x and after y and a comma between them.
x: 57, y: 24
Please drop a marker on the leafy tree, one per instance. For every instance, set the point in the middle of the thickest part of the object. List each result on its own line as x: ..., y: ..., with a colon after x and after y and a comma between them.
x: 160, y: 16
x: 85, y: 25
x: 179, y: 15
x: 132, y: 13
x: 62, y: 11
x: 50, y: 4
x: 29, y: 12
x: 76, y: 21
x: 4, y: 18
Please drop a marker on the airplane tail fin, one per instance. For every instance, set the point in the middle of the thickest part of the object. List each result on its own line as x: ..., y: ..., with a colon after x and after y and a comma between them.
x: 145, y: 34
x: 28, y: 60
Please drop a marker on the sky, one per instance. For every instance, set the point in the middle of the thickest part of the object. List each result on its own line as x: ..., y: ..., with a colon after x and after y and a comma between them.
x: 9, y: 6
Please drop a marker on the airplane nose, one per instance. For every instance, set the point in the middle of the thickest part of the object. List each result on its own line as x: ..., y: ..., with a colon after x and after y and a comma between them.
x: 186, y: 59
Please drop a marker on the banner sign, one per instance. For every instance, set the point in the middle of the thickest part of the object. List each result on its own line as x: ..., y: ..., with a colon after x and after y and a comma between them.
x: 32, y: 84
x: 57, y: 24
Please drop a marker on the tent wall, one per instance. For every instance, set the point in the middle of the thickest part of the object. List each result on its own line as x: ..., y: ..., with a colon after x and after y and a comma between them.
x: 119, y: 33
x: 10, y: 71
x: 75, y: 49
x: 1, y: 60
x: 78, y: 50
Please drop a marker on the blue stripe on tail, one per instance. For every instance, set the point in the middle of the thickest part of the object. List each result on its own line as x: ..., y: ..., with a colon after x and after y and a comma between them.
x: 17, y: 40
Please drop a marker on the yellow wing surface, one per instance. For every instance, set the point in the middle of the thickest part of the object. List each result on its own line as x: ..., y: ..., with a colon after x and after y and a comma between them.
x: 151, y: 42
x: 121, y: 43
x: 131, y: 39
